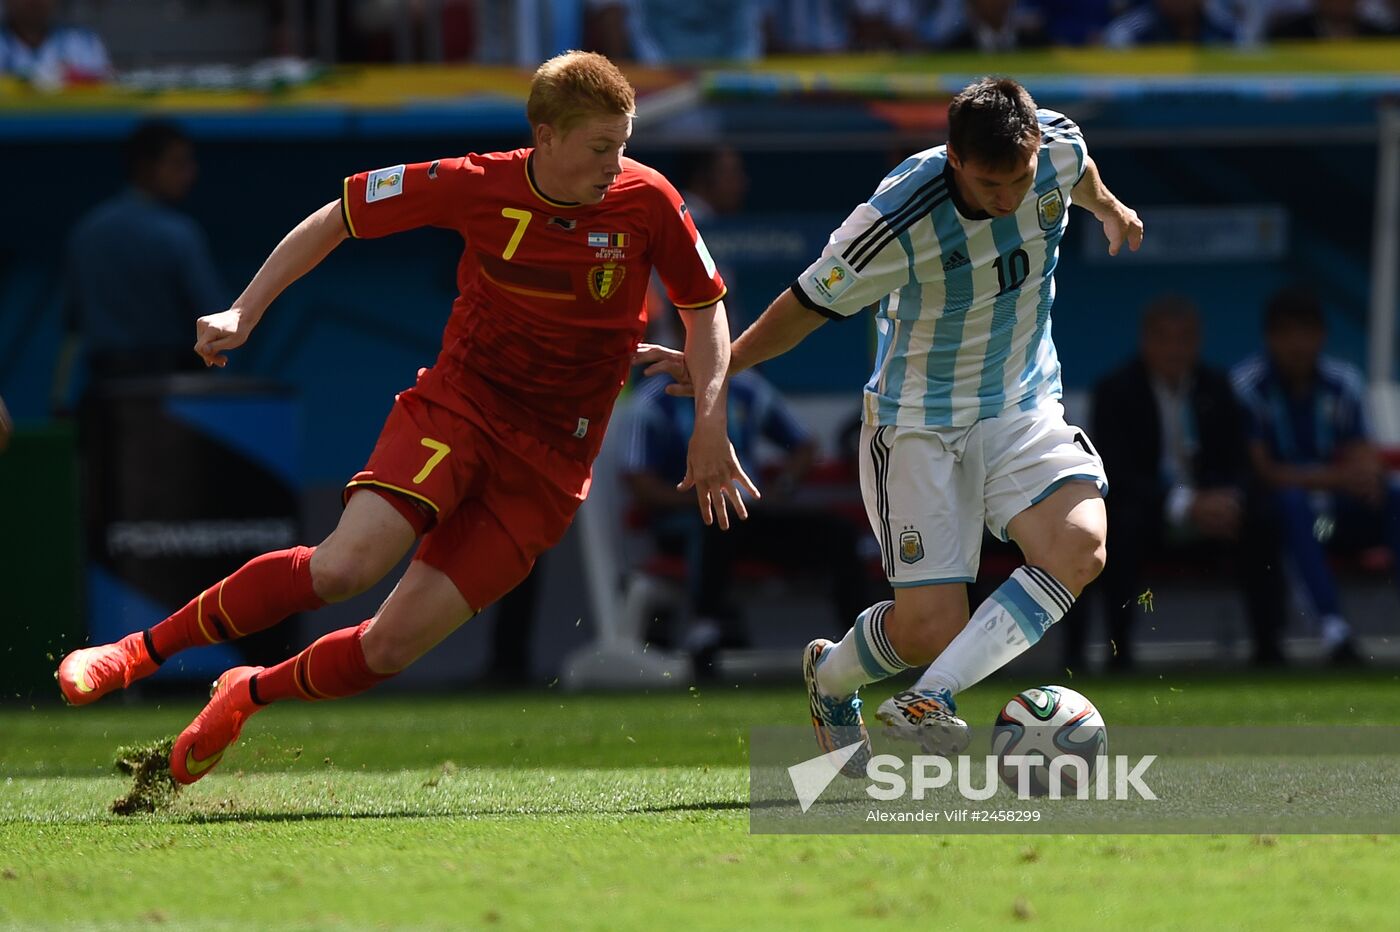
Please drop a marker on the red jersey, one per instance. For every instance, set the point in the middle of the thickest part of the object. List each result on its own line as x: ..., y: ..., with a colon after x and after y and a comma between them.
x: 552, y: 295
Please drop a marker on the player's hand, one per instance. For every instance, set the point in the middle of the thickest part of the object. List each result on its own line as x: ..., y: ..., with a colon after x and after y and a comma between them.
x: 712, y: 469
x: 1362, y: 479
x: 1121, y: 224
x: 662, y: 360
x: 218, y: 333
x: 1217, y: 513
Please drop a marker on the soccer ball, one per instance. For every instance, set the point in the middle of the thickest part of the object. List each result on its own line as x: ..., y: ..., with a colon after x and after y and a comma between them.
x: 1054, y: 723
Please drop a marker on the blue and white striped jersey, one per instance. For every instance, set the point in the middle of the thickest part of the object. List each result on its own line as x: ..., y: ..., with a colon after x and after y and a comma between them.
x: 1306, y: 430
x: 963, y: 306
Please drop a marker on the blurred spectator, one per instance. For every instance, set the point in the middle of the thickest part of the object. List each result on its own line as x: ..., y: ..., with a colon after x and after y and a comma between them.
x: 1310, y: 444
x: 7, y: 426
x: 1172, y: 440
x: 840, y: 25
x: 993, y: 26
x: 394, y: 30
x: 1331, y: 19
x: 139, y: 271
x: 661, y: 32
x: 779, y: 529
x: 1073, y: 22
x: 1201, y: 22
x: 714, y: 183
x: 34, y: 46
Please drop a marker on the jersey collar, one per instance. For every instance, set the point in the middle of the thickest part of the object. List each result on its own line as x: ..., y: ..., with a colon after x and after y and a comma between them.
x: 535, y: 189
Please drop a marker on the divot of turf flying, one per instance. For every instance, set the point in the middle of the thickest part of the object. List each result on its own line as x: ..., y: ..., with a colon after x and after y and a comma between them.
x: 152, y: 786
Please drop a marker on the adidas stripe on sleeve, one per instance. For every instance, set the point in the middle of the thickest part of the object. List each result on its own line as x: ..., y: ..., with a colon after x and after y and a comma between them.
x: 868, y: 256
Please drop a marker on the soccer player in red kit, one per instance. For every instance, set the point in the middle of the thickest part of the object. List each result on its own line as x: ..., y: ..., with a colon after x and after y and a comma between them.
x: 489, y: 455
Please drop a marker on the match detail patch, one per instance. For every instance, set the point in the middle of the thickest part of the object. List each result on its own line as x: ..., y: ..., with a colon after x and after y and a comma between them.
x: 831, y: 279
x: 384, y: 183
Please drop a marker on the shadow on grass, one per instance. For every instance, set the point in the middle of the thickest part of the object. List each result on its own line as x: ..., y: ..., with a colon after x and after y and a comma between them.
x: 208, y: 818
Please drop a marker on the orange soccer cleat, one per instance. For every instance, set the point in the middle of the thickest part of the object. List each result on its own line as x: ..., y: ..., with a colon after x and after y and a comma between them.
x: 202, y: 744
x: 89, y: 674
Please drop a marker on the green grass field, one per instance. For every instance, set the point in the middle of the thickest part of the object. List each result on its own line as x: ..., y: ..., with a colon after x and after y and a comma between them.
x: 542, y: 810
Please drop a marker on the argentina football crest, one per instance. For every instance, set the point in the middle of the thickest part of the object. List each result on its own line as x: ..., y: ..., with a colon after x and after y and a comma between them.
x: 911, y: 546
x: 1050, y: 208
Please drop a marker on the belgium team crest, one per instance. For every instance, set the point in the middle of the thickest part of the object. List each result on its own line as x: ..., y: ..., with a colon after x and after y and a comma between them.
x: 1050, y: 208
x: 603, y: 280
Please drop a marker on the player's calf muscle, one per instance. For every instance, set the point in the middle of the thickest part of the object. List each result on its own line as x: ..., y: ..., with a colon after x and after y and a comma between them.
x: 919, y: 632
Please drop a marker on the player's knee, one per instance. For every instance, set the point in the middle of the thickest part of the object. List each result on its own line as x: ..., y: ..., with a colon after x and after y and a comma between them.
x: 1085, y: 554
x: 340, y: 575
x: 1080, y: 556
x: 385, y: 653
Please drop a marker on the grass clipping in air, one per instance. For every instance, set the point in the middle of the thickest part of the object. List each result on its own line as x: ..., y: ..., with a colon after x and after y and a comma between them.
x: 152, y: 786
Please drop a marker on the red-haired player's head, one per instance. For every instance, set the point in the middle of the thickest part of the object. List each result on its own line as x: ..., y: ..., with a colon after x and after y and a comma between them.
x: 580, y: 110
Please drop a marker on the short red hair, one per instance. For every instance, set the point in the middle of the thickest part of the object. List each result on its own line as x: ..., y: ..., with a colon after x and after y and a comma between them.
x: 571, y: 86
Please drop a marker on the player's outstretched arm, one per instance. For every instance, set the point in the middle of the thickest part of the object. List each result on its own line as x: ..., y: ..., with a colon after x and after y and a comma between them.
x: 712, y: 467
x: 299, y: 252
x: 785, y: 324
x: 1120, y: 222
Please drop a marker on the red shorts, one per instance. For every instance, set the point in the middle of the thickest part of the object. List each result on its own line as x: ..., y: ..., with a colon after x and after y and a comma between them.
x: 495, y: 497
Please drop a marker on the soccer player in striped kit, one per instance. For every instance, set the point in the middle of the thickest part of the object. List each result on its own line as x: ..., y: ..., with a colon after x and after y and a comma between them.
x: 963, y: 426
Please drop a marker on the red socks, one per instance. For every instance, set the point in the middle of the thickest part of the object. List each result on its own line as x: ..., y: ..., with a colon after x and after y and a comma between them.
x: 332, y: 668
x: 260, y: 594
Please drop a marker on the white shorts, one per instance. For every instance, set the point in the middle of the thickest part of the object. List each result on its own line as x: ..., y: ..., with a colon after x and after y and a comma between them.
x: 929, y: 490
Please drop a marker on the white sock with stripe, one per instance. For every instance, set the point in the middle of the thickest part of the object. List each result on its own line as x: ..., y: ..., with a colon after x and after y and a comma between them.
x: 863, y: 656
x: 1012, y: 619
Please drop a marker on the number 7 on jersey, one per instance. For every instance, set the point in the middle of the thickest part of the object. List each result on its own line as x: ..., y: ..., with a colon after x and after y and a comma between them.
x: 522, y: 220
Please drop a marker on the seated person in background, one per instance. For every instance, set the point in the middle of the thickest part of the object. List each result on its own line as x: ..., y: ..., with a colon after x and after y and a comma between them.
x: 139, y: 269
x: 1171, y: 437
x: 1073, y: 22
x: 1331, y: 19
x: 33, y: 46
x: 662, y: 32
x: 1310, y: 446
x: 1197, y: 22
x: 779, y: 530
x: 995, y: 26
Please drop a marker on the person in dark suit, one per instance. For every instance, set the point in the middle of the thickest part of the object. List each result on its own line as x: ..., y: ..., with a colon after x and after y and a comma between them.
x: 1172, y: 439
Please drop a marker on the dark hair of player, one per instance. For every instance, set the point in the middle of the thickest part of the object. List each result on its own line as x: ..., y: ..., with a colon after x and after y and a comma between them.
x: 993, y: 123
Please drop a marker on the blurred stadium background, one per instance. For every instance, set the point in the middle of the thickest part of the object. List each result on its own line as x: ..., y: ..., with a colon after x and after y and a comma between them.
x: 1256, y: 163
x: 1259, y: 139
